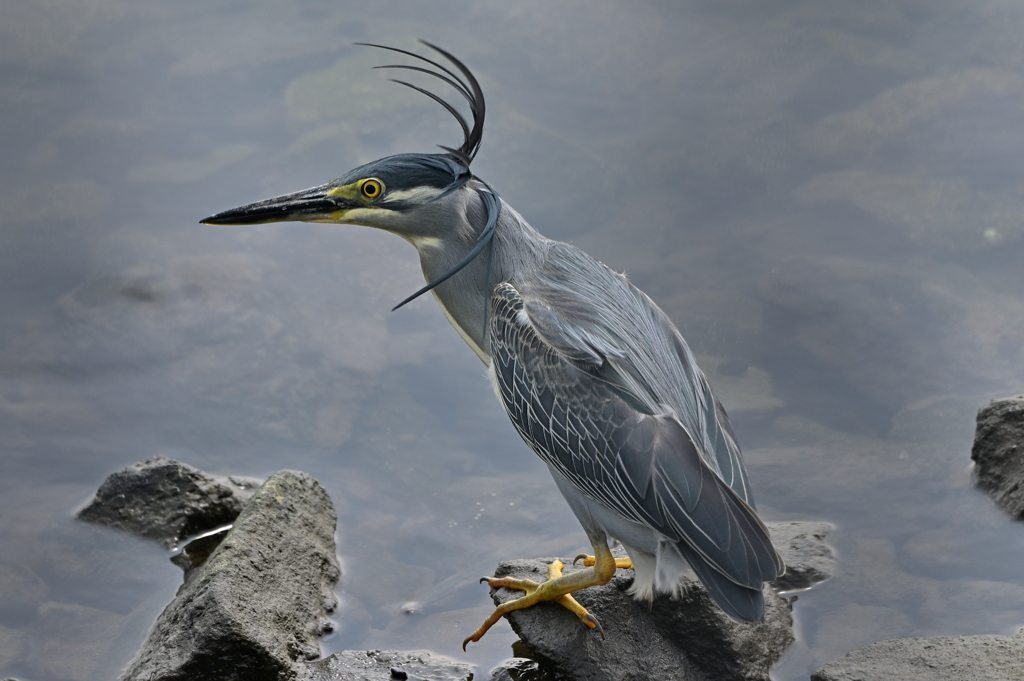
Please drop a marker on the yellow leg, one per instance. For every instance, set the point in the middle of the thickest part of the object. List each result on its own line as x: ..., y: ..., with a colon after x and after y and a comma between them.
x: 624, y: 563
x: 557, y: 589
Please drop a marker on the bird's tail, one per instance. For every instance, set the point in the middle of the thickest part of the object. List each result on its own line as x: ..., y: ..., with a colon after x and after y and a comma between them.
x: 740, y: 602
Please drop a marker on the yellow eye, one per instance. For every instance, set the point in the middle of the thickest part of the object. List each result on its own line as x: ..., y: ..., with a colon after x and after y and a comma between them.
x: 372, y: 189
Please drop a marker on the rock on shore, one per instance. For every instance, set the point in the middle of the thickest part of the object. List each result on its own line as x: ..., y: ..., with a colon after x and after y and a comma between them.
x: 809, y: 559
x: 255, y: 608
x: 387, y: 665
x: 256, y: 596
x: 166, y: 500
x: 998, y: 453
x: 937, y: 658
x: 688, y: 639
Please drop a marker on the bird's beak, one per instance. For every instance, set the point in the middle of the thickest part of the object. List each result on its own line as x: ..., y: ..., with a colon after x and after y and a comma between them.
x: 319, y: 204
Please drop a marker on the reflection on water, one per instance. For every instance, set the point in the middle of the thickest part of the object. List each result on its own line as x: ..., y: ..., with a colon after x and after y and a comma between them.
x: 826, y: 198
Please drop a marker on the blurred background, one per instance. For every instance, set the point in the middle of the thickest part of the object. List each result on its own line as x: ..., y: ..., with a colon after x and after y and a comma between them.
x: 826, y: 197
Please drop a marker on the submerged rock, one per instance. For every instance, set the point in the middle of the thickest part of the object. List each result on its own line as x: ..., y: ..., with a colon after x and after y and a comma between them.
x: 163, y: 499
x: 688, y: 638
x: 809, y: 559
x: 998, y: 453
x: 387, y: 665
x: 256, y: 607
x: 937, y: 658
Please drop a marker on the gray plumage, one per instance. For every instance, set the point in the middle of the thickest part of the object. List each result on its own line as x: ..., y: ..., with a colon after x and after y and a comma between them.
x: 594, y: 376
x: 601, y: 385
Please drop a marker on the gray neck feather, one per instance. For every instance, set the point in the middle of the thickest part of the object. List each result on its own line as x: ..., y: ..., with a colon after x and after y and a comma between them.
x: 518, y: 251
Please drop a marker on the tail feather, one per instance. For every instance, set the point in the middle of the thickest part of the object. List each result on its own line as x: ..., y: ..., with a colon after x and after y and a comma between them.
x: 739, y: 602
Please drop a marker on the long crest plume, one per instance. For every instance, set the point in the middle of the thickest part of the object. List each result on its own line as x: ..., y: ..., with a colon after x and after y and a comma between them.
x: 469, y: 88
x: 466, y: 85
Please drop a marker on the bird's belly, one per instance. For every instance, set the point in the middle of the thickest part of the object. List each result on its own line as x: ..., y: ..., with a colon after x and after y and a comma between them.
x: 594, y: 515
x: 657, y: 566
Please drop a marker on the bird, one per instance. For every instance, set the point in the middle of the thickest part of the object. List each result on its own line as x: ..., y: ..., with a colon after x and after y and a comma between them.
x: 594, y: 376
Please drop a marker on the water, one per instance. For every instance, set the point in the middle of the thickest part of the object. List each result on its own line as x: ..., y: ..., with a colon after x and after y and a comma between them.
x: 826, y: 197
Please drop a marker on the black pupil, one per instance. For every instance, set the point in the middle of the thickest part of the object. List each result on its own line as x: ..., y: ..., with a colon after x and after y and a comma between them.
x: 371, y: 189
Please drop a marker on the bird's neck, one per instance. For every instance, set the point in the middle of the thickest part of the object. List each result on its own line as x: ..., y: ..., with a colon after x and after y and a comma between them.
x: 515, y: 251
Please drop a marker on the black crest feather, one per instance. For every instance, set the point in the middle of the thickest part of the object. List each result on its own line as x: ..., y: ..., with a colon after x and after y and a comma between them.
x: 466, y: 85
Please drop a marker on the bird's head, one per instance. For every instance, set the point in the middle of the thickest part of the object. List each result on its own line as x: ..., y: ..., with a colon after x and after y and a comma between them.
x: 421, y: 197
x: 412, y: 195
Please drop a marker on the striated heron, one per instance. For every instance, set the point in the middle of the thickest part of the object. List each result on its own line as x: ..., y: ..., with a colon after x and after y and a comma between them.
x: 595, y: 377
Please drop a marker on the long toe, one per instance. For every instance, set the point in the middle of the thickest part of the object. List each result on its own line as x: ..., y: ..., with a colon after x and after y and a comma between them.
x: 620, y: 563
x: 556, y: 589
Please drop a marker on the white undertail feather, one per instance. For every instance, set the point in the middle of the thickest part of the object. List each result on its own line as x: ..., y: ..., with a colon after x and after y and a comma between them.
x: 670, y: 570
x: 658, y: 574
x: 642, y: 588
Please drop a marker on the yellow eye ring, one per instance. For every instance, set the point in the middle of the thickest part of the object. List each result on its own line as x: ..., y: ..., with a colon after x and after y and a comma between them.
x: 372, y: 188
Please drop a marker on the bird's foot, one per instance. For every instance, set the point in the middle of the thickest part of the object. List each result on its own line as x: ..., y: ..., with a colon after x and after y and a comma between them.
x: 555, y: 589
x: 625, y: 563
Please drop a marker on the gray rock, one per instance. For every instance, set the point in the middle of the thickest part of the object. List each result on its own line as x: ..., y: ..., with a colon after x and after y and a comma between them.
x: 687, y: 638
x: 521, y: 669
x: 163, y: 499
x: 377, y: 665
x: 938, y: 658
x: 809, y: 559
x: 998, y: 453
x: 254, y: 609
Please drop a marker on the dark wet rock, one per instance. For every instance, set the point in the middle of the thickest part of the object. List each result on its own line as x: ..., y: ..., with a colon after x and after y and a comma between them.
x: 688, y: 638
x: 809, y: 559
x: 937, y: 658
x: 521, y: 669
x: 998, y: 453
x: 255, y: 608
x: 163, y: 499
x: 387, y: 665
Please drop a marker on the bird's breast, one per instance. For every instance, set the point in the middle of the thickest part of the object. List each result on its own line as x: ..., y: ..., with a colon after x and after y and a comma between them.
x: 461, y: 331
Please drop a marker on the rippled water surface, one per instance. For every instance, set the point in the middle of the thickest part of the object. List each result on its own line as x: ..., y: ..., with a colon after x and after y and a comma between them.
x: 826, y: 197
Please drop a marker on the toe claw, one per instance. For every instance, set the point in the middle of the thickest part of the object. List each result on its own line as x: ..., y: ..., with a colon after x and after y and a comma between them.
x: 482, y: 580
x: 465, y: 642
x: 582, y: 556
x: 597, y: 625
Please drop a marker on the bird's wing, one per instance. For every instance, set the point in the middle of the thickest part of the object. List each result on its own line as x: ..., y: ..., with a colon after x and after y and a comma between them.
x: 592, y: 315
x: 642, y: 464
